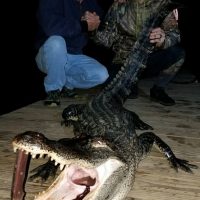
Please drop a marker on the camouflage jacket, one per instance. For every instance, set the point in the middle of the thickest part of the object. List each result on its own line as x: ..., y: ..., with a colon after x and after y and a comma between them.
x: 123, y: 22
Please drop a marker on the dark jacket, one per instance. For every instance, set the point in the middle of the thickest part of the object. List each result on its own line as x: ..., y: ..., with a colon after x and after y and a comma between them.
x: 62, y: 17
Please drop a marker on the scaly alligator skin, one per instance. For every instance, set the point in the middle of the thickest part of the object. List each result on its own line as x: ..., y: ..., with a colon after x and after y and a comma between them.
x: 101, y: 161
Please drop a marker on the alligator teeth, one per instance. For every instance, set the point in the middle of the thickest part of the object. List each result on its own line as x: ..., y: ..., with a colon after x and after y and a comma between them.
x: 40, y: 193
x: 15, y: 149
x: 56, y: 163
x: 62, y: 166
x: 51, y: 159
x: 33, y: 155
x: 41, y: 155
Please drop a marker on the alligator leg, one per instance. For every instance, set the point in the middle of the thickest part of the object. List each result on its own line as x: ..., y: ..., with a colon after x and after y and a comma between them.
x: 19, y: 176
x: 139, y: 124
x: 44, y: 172
x: 148, y: 139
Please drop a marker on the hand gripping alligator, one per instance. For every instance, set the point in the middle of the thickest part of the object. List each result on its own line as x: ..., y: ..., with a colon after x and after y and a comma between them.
x: 100, y: 162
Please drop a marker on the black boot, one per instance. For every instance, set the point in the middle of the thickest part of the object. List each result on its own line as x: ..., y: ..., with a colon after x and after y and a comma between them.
x: 158, y: 94
x: 53, y: 98
x: 68, y: 93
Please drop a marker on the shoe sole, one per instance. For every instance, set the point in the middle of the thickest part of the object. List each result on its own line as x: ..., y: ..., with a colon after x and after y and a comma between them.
x: 52, y: 104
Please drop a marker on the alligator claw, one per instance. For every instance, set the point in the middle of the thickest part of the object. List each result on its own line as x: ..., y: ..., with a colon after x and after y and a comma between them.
x: 43, y: 172
x: 184, y: 165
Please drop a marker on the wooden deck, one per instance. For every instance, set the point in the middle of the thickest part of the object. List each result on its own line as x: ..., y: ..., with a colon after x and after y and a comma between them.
x: 177, y: 125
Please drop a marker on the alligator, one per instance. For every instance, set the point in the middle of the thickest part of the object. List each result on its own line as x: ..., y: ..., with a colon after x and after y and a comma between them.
x: 100, y: 161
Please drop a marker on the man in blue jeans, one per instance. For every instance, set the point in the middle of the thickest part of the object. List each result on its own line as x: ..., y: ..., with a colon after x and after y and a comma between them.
x: 63, y: 29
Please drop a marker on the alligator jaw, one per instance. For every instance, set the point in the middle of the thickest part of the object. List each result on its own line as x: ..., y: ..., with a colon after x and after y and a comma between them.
x: 73, y: 183
x: 78, y: 179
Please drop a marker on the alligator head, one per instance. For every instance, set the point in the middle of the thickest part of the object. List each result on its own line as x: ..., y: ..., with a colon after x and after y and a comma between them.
x: 86, y: 168
x: 90, y: 168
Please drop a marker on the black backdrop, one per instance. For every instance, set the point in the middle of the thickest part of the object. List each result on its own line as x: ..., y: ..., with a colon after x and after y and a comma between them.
x: 21, y: 82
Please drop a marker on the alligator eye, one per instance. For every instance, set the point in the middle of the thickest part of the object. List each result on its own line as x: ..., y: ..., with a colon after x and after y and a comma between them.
x: 70, y: 113
x: 66, y: 113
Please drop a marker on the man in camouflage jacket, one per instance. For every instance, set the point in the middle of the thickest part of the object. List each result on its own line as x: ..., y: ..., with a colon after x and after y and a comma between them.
x: 123, y: 23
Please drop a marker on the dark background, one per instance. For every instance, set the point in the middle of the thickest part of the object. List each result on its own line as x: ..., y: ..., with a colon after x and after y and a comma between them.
x: 21, y: 82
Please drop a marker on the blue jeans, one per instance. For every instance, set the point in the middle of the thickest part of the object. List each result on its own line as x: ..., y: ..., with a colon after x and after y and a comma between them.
x: 68, y: 70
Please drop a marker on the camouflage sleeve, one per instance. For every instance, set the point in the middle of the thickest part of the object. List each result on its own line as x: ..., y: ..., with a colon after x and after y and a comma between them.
x: 172, y: 32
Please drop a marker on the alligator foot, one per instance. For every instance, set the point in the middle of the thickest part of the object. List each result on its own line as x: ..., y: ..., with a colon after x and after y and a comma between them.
x: 184, y: 165
x: 148, y: 139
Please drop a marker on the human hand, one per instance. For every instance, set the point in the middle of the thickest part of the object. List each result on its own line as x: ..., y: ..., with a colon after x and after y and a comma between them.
x: 92, y: 20
x: 157, y: 36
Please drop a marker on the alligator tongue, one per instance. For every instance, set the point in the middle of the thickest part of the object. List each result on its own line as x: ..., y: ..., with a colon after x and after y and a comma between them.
x: 19, y: 176
x: 81, y: 196
x: 87, y: 181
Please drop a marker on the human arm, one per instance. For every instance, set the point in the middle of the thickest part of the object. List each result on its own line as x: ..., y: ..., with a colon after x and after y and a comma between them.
x: 58, y: 17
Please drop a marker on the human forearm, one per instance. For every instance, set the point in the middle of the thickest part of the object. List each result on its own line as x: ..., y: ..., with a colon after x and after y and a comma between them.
x: 170, y: 27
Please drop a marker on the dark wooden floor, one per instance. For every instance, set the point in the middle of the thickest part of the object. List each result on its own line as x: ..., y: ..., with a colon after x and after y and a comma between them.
x: 177, y: 125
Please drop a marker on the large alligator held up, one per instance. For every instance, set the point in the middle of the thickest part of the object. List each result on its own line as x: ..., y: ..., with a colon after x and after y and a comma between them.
x: 100, y: 162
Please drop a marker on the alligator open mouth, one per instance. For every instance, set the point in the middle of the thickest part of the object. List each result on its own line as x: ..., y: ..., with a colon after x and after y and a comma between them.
x: 79, y: 178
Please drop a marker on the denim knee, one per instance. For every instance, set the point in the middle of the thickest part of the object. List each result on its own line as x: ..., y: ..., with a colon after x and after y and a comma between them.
x: 55, y: 44
x: 102, y: 75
